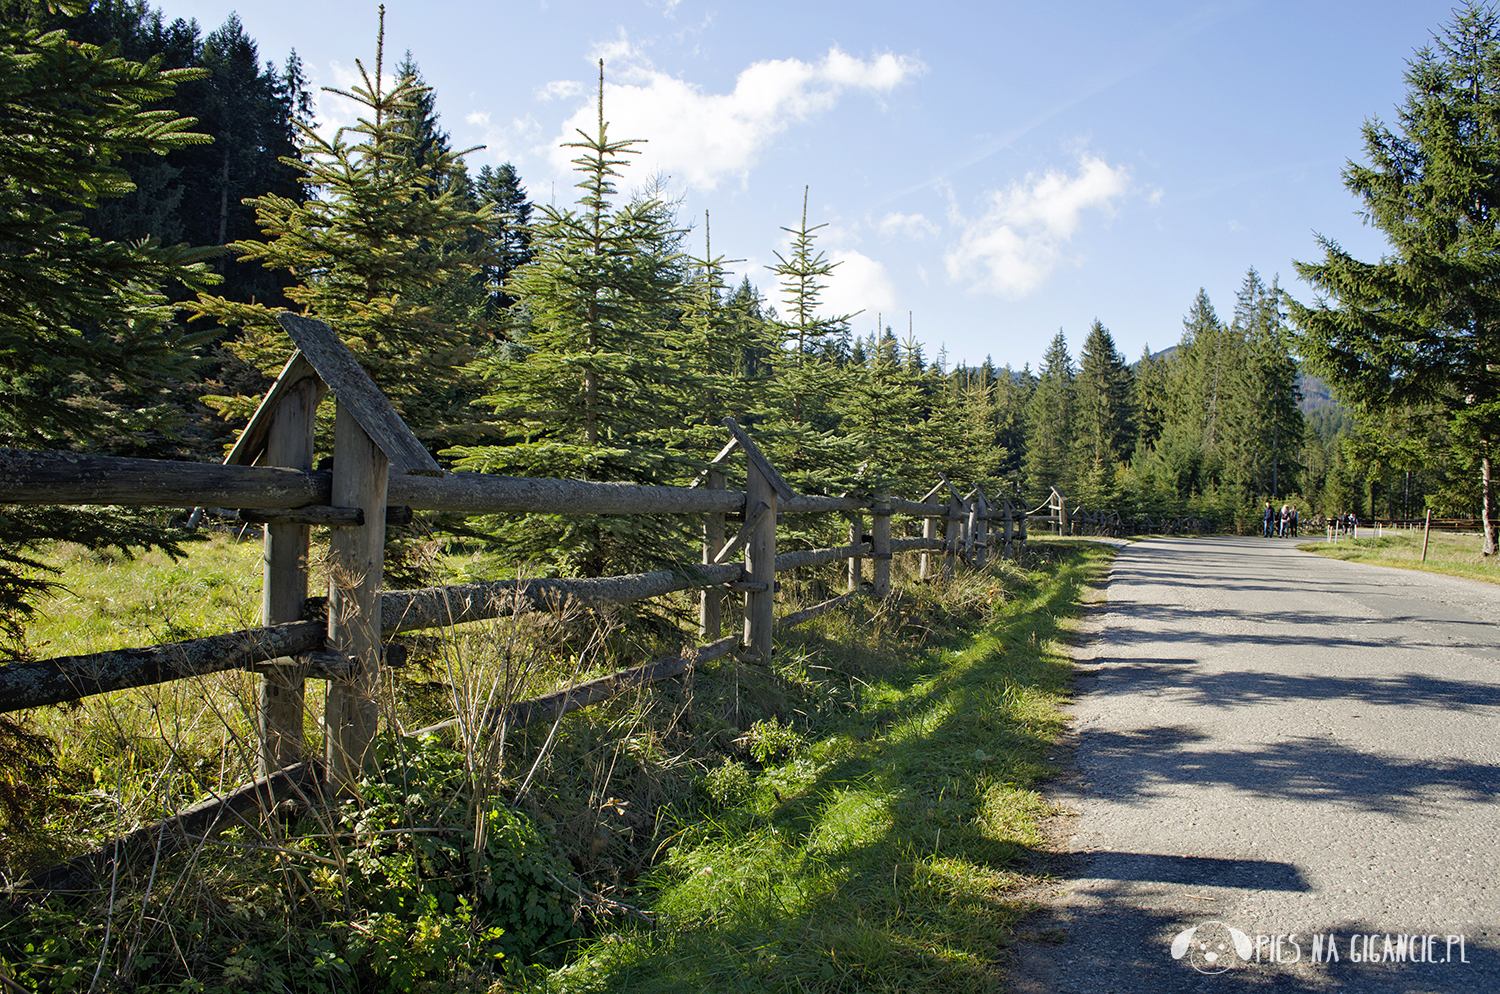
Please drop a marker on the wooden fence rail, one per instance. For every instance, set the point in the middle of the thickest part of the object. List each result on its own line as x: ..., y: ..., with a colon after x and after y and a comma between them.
x: 378, y: 467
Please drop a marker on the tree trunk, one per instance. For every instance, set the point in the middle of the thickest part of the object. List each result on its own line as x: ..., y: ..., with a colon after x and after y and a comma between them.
x: 1487, y: 503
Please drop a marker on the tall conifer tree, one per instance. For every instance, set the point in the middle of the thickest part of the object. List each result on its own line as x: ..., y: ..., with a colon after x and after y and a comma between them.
x: 1423, y: 323
x: 1104, y: 388
x: 86, y: 332
x: 599, y: 386
x: 1049, y: 424
x: 375, y: 254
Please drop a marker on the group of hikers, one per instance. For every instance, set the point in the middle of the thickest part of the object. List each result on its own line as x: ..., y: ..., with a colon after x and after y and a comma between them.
x: 1283, y: 523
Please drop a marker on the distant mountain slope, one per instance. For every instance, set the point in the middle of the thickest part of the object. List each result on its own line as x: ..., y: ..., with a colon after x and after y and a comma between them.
x: 1316, y: 394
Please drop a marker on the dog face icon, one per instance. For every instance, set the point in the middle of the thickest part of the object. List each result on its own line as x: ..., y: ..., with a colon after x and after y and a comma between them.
x: 1211, y: 947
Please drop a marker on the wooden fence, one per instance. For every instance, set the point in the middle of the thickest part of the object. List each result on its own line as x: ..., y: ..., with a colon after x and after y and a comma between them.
x: 380, y: 471
x: 1055, y: 514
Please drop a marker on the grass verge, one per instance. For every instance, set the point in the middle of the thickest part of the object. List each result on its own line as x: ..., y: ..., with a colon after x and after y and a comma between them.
x: 1453, y: 555
x: 881, y: 849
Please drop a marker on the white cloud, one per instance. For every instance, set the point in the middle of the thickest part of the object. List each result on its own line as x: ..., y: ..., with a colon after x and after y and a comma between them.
x: 700, y: 138
x: 502, y: 141
x: 897, y: 225
x: 559, y: 89
x: 858, y: 283
x: 1019, y: 239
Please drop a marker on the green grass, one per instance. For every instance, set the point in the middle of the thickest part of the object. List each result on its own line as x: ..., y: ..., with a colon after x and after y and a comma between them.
x: 108, y: 601
x: 887, y: 849
x: 1454, y: 555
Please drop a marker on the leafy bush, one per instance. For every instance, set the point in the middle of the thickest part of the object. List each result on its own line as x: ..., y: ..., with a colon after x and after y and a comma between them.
x: 729, y: 784
x: 771, y: 740
x: 425, y: 877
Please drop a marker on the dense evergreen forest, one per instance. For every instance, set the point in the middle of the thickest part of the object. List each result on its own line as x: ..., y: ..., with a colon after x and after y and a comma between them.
x: 599, y: 339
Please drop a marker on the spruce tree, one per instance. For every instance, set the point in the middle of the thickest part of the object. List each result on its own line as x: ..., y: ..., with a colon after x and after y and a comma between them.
x: 1270, y: 376
x: 1050, y: 425
x: 1423, y: 323
x: 376, y: 254
x: 598, y: 386
x: 1151, y: 401
x: 881, y: 427
x: 509, y: 231
x: 803, y: 436
x: 87, y: 338
x: 1104, y: 418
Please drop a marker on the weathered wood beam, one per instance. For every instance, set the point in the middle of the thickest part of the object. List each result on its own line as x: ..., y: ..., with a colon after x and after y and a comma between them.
x: 32, y: 477
x: 83, y: 874
x: 920, y: 510
x: 743, y: 535
x: 763, y: 485
x: 819, y: 557
x: 814, y: 504
x: 328, y: 517
x: 439, y: 607
x: 757, y: 458
x: 297, y: 377
x: 286, y: 420
x: 711, y: 599
x: 549, y: 707
x: 713, y: 463
x: 807, y: 614
x: 37, y: 477
x: 68, y: 678
x: 484, y: 493
x: 356, y: 566
x: 338, y: 368
x: 880, y: 549
x: 917, y: 545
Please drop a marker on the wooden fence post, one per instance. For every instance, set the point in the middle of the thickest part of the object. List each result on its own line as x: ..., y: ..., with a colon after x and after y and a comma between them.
x: 929, y: 531
x: 856, y: 537
x: 952, y: 535
x: 880, y: 548
x: 1063, y: 525
x: 1021, y: 534
x: 971, y: 524
x: 760, y: 566
x: 711, y: 599
x: 763, y: 485
x: 356, y: 560
x: 289, y: 444
x: 1007, y: 548
x: 981, y: 529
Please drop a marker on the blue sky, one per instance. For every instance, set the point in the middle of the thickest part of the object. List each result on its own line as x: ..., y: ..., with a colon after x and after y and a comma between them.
x: 999, y: 170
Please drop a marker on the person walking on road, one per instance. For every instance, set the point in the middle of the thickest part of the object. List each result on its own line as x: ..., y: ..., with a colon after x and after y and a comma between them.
x: 1269, y: 514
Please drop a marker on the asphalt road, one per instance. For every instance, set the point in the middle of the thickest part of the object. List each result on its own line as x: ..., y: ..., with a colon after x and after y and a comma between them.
x: 1279, y: 745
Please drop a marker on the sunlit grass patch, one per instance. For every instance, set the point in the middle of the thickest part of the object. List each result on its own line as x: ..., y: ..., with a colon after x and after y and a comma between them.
x: 1447, y: 553
x: 109, y: 601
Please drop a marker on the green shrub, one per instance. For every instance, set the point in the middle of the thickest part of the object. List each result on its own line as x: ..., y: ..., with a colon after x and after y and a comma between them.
x: 425, y: 878
x: 728, y: 785
x: 771, y: 740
